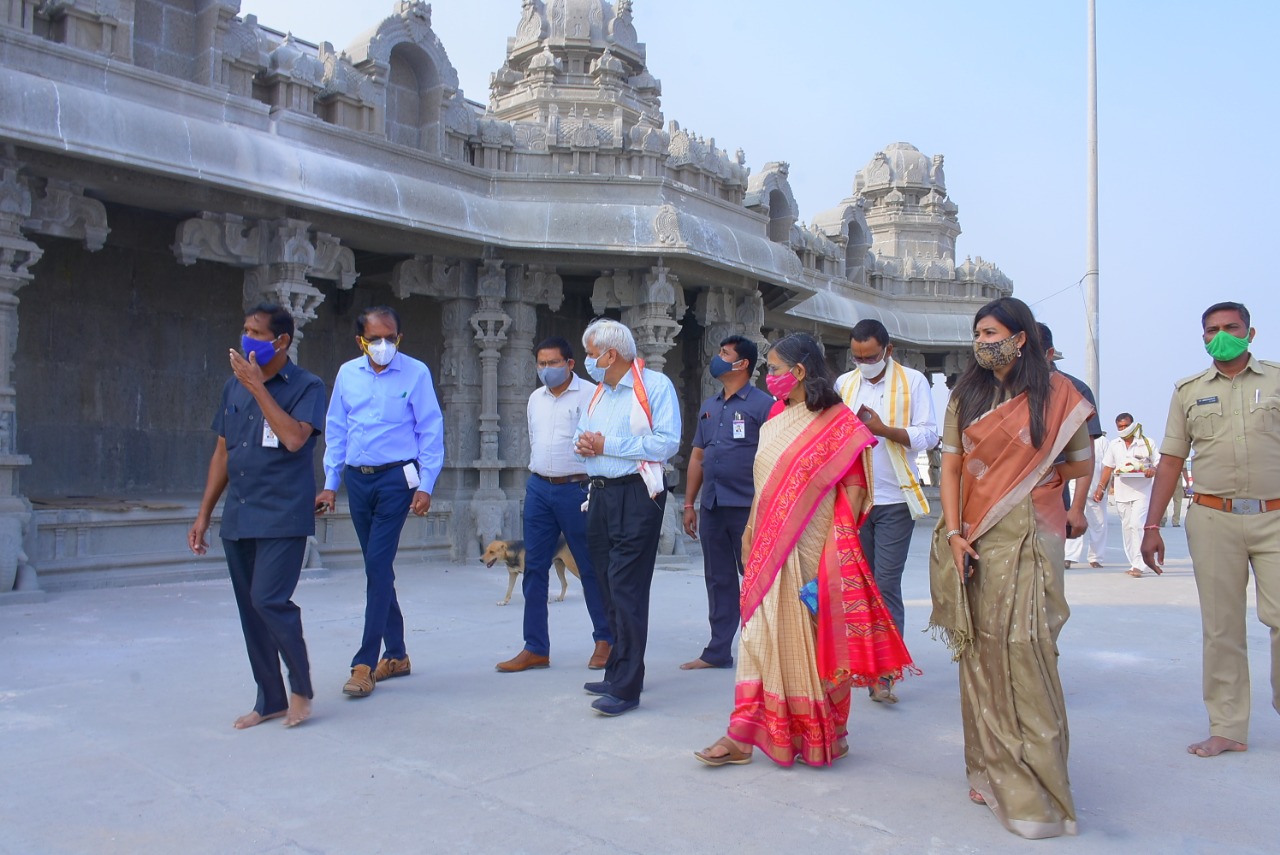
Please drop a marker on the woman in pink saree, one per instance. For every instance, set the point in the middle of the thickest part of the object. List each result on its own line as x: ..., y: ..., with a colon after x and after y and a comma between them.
x: 1013, y: 432
x: 796, y: 667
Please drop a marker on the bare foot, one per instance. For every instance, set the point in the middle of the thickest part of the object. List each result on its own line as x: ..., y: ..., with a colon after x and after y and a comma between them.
x: 976, y: 797
x: 1215, y: 745
x: 252, y: 718
x: 299, y: 710
x: 697, y: 665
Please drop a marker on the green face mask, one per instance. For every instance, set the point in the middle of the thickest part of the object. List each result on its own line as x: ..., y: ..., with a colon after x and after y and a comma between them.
x: 1225, y: 347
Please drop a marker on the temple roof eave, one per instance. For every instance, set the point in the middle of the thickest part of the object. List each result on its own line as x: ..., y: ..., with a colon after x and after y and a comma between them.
x: 927, y: 323
x: 428, y: 195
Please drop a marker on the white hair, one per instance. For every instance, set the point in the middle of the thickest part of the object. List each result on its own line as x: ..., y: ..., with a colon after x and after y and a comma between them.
x: 608, y: 334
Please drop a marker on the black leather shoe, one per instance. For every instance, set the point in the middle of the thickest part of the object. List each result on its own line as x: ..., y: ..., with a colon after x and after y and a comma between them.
x: 609, y: 705
x: 600, y: 687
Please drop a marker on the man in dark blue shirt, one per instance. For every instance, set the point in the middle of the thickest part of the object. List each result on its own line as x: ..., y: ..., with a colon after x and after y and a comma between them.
x: 720, y: 468
x: 263, y: 461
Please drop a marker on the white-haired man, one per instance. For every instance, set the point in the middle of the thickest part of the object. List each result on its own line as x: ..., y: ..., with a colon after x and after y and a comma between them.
x: 630, y: 428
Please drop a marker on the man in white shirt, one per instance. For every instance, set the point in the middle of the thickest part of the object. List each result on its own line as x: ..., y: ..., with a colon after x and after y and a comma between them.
x: 553, y: 501
x: 896, y: 405
x: 1131, y: 459
x: 1095, y: 513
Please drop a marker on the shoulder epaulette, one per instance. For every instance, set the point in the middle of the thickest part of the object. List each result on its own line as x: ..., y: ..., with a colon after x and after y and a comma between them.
x: 1185, y: 380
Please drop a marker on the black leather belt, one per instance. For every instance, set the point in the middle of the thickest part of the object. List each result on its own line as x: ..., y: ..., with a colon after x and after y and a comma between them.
x: 616, y: 482
x: 371, y: 470
x: 563, y: 479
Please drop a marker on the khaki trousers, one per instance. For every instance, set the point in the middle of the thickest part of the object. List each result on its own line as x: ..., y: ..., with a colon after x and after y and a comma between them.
x: 1223, y: 546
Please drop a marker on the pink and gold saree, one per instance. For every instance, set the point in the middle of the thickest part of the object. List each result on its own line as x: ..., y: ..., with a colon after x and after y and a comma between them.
x: 795, y: 671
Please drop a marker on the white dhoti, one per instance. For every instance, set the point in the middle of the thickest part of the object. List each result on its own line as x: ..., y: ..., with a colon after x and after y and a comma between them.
x: 1095, y: 514
x: 1133, y: 514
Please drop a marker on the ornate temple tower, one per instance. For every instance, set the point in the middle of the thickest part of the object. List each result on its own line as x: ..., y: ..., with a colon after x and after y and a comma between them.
x: 576, y: 59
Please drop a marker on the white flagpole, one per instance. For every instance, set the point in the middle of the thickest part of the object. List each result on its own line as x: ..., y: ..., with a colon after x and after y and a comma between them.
x: 1091, y: 373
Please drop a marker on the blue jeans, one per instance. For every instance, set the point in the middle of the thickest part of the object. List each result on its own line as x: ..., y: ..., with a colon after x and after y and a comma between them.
x: 886, y: 537
x: 379, y: 506
x: 552, y: 510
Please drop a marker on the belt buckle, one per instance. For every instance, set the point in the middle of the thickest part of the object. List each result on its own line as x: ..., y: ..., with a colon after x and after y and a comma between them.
x: 366, y: 470
x: 1246, y: 507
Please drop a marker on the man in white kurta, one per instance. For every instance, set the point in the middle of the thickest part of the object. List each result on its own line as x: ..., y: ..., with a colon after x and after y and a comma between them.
x: 1095, y: 513
x: 1131, y: 460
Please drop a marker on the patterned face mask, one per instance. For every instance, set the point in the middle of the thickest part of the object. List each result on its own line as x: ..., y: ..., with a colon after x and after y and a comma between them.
x: 996, y: 354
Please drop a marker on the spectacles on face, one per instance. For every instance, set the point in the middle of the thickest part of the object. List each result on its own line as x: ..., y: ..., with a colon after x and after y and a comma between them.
x: 870, y: 360
x: 371, y: 341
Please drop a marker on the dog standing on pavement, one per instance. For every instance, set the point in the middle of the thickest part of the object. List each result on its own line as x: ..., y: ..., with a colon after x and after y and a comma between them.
x: 511, y: 552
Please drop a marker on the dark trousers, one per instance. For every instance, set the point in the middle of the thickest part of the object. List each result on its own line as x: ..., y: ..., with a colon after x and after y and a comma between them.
x: 264, y: 572
x: 886, y: 537
x: 551, y: 510
x: 623, y: 525
x: 720, y: 530
x: 379, y: 505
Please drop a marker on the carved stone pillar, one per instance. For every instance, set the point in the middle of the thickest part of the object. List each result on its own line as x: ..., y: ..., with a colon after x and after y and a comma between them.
x: 651, y: 318
x: 279, y: 256
x: 490, y: 323
x: 535, y: 285
x: 17, y: 254
x: 714, y: 309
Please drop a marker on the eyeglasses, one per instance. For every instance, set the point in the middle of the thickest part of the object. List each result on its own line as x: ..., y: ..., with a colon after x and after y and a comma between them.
x: 869, y: 360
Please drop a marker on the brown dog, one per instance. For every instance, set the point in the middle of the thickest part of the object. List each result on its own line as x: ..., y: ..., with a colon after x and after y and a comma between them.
x: 511, y: 552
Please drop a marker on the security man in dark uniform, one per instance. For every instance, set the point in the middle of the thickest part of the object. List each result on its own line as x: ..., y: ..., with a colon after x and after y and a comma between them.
x: 720, y: 470
x: 266, y: 426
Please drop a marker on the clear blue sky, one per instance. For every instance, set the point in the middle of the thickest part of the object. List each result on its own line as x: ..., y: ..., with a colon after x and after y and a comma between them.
x: 1186, y: 96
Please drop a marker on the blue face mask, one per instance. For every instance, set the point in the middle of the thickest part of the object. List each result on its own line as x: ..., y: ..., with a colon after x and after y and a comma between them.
x: 553, y: 375
x: 719, y: 367
x: 264, y: 350
x: 596, y: 373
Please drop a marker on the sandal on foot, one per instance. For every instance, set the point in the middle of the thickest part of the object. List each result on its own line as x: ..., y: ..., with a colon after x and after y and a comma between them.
x: 1095, y: 564
x: 882, y: 691
x: 733, y: 756
x: 1134, y: 572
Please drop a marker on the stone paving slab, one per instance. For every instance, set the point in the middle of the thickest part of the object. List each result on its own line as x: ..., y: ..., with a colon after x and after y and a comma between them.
x: 116, y: 706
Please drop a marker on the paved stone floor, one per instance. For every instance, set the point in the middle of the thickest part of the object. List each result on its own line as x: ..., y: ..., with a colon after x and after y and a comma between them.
x: 116, y: 706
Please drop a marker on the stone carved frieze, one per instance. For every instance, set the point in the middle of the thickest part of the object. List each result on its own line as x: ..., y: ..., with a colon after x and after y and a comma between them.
x: 532, y: 24
x: 666, y: 226
x: 62, y: 210
x: 224, y: 238
x: 653, y: 318
x: 425, y: 276
x: 334, y: 261
x: 278, y: 256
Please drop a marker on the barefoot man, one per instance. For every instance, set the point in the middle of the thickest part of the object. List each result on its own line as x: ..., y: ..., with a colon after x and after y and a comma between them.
x: 266, y: 436
x: 1230, y: 415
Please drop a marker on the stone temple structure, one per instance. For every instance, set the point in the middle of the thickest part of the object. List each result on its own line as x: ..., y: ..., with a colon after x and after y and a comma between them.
x: 164, y: 163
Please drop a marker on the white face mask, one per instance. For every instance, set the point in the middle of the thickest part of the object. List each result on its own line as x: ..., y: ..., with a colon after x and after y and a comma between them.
x: 381, y: 351
x: 872, y: 369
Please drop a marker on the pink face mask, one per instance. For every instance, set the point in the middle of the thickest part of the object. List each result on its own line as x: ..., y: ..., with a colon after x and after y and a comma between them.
x: 780, y: 385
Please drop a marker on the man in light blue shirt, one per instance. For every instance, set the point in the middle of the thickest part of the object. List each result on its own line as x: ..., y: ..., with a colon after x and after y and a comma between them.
x: 629, y: 430
x: 385, y: 436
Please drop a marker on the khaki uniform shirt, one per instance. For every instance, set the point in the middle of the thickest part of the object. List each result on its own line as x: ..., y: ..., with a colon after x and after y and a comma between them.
x: 1233, y: 424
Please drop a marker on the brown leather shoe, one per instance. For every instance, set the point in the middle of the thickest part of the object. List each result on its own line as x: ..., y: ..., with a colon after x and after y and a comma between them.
x: 523, y: 661
x: 361, y: 683
x: 388, y: 668
x: 600, y: 658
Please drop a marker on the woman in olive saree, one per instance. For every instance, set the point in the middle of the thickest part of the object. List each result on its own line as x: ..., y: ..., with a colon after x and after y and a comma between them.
x: 1013, y: 432
x: 796, y: 667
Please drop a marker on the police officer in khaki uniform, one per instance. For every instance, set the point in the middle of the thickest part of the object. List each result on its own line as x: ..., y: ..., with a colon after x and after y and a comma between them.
x: 1230, y: 415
